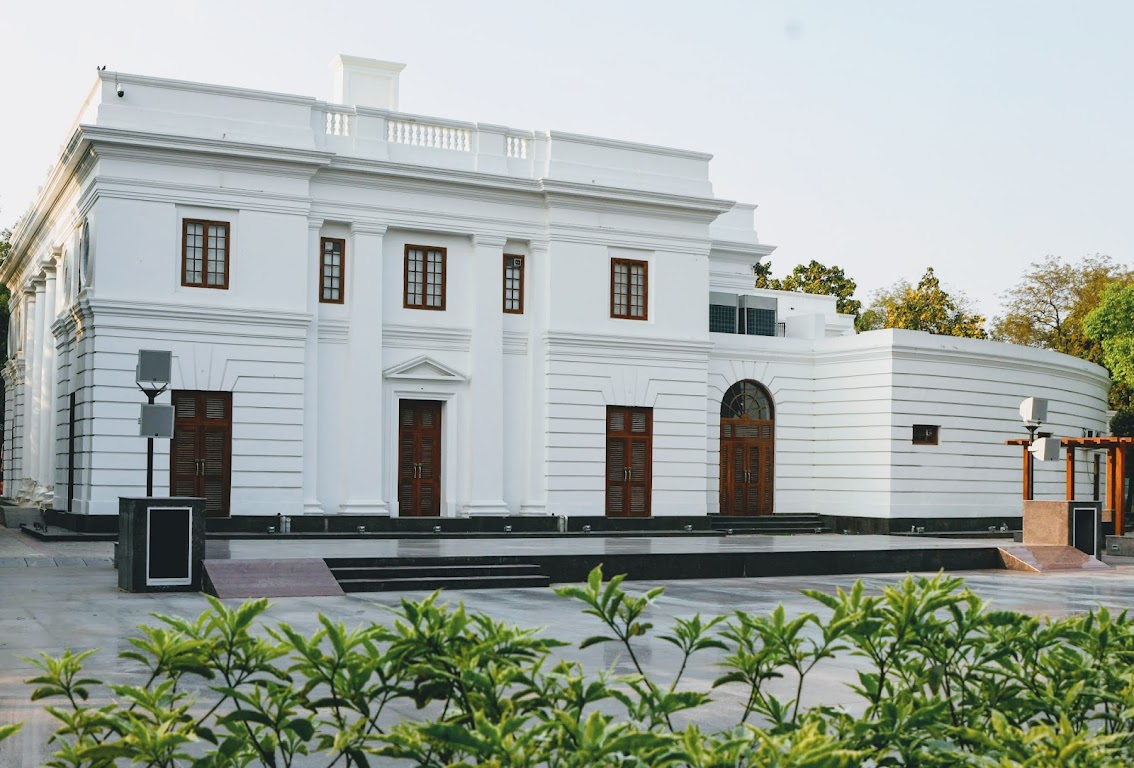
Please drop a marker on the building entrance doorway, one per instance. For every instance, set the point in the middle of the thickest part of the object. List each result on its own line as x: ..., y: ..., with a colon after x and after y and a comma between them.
x: 419, y: 458
x: 200, y: 460
x: 747, y: 450
x: 629, y: 461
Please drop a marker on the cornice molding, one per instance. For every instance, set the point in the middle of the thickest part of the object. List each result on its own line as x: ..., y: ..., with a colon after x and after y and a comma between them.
x: 170, y: 314
x: 427, y: 337
x: 515, y: 342
x: 194, y: 194
x: 333, y: 331
x: 484, y: 240
x: 624, y: 346
x: 742, y: 253
x: 571, y: 193
x: 359, y: 227
x: 106, y: 140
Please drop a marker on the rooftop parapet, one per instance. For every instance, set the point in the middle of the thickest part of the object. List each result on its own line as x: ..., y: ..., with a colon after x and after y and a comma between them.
x: 364, y: 131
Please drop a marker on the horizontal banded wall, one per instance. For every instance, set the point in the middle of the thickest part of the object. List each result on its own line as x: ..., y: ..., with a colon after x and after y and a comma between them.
x: 784, y: 367
x: 972, y: 389
x: 256, y: 355
x: 585, y: 374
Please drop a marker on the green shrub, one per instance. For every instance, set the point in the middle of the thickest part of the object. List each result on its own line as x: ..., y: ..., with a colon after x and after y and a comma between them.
x: 942, y: 681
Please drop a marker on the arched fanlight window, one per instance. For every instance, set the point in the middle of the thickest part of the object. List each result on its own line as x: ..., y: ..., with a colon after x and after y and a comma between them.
x: 747, y: 400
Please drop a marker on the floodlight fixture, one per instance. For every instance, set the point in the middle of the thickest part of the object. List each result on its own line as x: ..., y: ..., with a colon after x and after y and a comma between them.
x: 1034, y: 410
x: 1045, y: 448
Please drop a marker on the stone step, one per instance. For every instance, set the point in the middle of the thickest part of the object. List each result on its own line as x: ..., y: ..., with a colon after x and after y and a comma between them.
x: 380, y: 572
x: 430, y: 583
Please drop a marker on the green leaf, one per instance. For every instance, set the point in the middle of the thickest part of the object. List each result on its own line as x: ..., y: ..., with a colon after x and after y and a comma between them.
x: 302, y: 727
x: 595, y: 640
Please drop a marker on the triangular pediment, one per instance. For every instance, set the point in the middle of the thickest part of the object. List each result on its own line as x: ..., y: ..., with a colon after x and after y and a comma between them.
x: 424, y: 368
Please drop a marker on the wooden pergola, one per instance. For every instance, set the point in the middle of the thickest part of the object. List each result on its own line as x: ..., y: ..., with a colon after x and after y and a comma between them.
x: 1117, y: 455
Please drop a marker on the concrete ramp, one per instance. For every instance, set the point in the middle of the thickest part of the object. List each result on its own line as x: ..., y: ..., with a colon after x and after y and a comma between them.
x: 300, y: 577
x: 1038, y: 558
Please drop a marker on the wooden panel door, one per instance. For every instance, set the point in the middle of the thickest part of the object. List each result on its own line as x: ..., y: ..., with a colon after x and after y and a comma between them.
x: 747, y: 477
x: 200, y: 460
x: 629, y: 461
x: 419, y: 458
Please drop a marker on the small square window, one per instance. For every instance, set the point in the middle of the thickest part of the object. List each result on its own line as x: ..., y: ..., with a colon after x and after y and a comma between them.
x: 925, y: 434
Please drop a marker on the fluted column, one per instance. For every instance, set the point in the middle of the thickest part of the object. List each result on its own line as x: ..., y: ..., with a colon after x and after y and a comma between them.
x: 537, y: 306
x: 26, y: 356
x: 486, y: 384
x: 47, y: 387
x: 311, y: 505
x: 364, y: 426
x: 32, y: 466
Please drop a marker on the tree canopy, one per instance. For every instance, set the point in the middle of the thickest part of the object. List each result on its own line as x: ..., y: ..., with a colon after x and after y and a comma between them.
x: 814, y: 278
x: 924, y: 307
x: 1047, y: 307
x: 1111, y: 324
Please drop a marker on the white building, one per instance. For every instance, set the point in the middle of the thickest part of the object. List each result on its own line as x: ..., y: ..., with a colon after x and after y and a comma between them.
x: 382, y: 313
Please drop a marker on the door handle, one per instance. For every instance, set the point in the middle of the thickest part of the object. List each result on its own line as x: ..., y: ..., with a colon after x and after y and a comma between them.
x: 200, y: 467
x: 627, y: 474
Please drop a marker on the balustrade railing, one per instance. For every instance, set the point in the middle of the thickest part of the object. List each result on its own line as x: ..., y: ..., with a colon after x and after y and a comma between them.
x: 338, y: 124
x: 517, y: 146
x: 429, y: 135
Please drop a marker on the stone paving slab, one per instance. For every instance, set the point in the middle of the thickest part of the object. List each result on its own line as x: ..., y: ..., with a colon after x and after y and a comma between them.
x: 53, y: 609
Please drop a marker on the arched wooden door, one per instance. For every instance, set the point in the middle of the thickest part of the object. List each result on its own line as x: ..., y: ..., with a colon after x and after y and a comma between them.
x: 747, y: 450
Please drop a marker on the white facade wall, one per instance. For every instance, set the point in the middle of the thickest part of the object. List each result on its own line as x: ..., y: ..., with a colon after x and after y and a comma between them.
x: 316, y: 387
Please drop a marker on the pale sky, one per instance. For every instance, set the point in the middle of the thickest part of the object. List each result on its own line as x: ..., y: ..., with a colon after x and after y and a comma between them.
x: 884, y: 137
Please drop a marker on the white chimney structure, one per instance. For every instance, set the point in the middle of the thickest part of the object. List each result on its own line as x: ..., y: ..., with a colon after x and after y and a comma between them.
x: 363, y: 82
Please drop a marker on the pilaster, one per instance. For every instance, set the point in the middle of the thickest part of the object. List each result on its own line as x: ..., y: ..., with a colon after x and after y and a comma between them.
x: 538, y: 307
x: 47, y: 388
x: 311, y: 505
x: 364, y: 344
x: 32, y: 403
x: 486, y: 385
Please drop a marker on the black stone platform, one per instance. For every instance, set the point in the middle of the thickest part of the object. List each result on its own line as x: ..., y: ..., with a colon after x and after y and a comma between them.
x: 390, y: 564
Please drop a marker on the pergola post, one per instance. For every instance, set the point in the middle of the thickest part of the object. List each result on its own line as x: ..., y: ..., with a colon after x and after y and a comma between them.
x: 1111, y: 485
x: 1070, y: 473
x: 1119, y: 490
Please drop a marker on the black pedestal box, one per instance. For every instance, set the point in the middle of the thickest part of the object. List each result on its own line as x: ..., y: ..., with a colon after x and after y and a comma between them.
x: 161, y: 543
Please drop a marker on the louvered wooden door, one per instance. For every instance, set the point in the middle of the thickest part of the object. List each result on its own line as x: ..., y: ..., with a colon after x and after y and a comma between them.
x: 629, y: 461
x: 200, y: 461
x: 419, y: 458
x: 747, y: 477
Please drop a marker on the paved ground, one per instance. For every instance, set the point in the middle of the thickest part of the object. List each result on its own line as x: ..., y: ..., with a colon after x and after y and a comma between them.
x: 74, y: 603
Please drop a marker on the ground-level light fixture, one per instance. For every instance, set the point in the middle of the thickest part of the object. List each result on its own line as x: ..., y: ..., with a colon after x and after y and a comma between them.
x: 152, y: 375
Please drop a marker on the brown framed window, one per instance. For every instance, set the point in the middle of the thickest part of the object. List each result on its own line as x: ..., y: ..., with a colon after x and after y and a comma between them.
x: 628, y: 289
x: 332, y: 270
x: 424, y: 278
x: 925, y: 434
x: 513, y: 284
x: 204, y: 253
